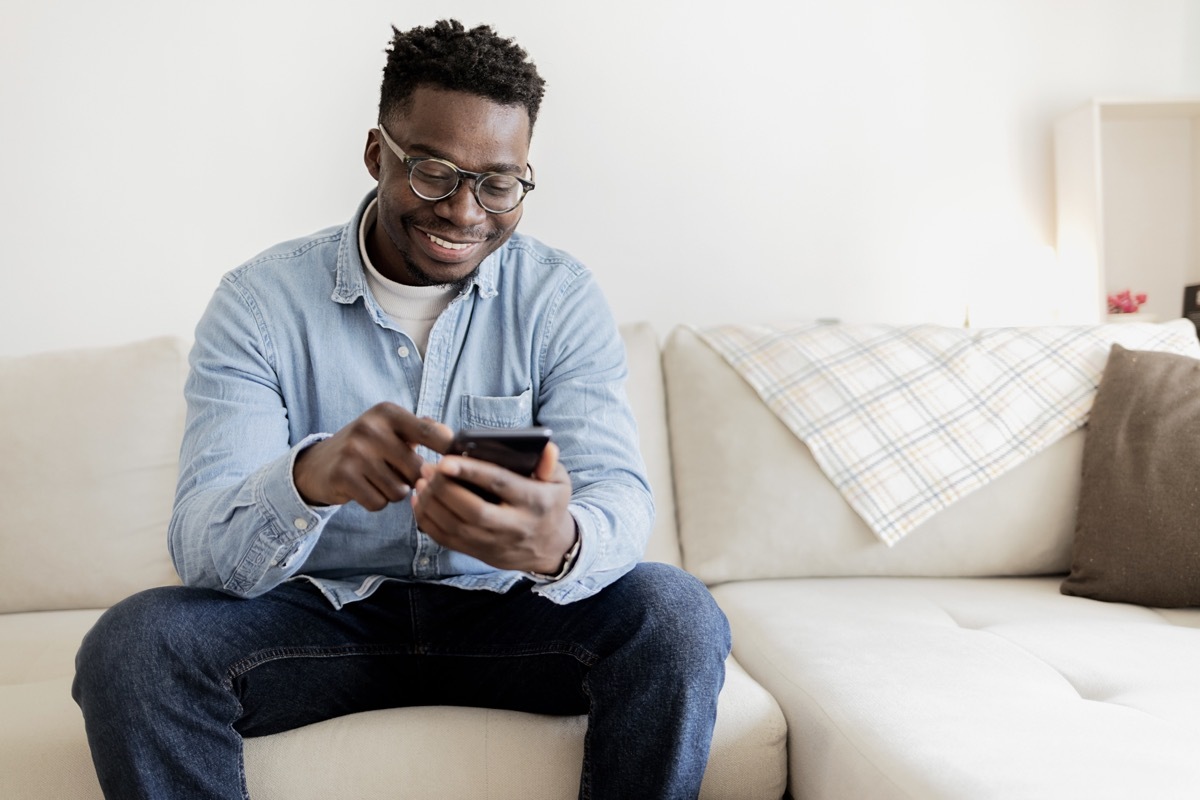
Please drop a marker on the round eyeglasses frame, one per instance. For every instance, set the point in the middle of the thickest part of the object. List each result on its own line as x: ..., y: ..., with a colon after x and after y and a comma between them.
x: 476, y: 178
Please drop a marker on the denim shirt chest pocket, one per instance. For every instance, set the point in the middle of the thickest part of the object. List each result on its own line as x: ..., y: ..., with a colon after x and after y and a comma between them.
x: 482, y: 411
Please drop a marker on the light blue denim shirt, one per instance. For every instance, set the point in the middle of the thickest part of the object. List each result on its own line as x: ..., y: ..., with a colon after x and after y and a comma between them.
x: 293, y: 346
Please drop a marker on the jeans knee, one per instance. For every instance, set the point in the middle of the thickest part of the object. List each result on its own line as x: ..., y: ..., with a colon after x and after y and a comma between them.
x: 131, y: 637
x: 680, y: 611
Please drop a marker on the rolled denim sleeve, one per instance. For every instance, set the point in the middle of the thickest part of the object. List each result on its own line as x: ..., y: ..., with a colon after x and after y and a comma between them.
x: 239, y: 524
x: 582, y: 398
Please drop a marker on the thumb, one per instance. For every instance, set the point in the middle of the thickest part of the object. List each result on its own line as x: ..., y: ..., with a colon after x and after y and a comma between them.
x: 549, y: 460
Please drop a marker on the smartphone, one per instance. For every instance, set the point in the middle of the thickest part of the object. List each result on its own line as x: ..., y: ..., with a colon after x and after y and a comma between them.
x: 516, y: 449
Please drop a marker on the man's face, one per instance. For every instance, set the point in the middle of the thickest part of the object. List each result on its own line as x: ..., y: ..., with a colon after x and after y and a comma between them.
x: 426, y: 243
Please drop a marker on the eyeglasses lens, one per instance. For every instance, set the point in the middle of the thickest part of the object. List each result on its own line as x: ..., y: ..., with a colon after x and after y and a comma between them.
x: 434, y: 180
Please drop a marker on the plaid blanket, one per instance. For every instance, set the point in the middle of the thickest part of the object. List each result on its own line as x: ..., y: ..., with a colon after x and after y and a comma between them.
x: 906, y: 420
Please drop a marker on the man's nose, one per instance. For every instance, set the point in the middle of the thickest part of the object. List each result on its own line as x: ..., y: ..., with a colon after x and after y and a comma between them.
x: 461, y: 208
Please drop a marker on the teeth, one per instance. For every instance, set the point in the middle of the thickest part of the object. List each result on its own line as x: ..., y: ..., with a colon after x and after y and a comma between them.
x: 449, y: 245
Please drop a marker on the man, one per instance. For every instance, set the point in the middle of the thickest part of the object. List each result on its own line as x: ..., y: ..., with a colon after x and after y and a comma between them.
x: 326, y: 547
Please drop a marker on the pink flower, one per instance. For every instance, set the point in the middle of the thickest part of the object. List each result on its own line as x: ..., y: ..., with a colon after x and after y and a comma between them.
x: 1125, y: 302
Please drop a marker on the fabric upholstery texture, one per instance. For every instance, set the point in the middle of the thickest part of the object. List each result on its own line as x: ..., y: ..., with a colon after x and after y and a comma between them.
x: 947, y: 688
x: 646, y: 396
x: 1137, y: 539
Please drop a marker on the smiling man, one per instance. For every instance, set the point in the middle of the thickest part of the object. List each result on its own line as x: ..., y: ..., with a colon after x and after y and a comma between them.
x: 332, y: 559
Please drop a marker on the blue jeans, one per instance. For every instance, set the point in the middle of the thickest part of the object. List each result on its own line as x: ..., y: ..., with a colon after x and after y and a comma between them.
x: 171, y: 680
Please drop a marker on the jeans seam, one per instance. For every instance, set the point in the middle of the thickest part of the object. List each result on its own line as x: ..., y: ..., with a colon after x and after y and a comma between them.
x: 413, y: 597
x: 257, y: 659
x: 585, y: 773
x: 241, y: 746
x: 580, y: 654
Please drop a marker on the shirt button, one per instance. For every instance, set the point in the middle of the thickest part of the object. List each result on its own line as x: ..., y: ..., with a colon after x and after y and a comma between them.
x: 424, y: 562
x: 301, y: 523
x: 402, y: 351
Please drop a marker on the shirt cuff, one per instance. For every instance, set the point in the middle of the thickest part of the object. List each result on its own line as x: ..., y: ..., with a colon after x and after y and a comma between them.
x: 293, y: 517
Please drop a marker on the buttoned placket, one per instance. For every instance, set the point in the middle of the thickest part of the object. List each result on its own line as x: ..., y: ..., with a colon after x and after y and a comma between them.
x: 431, y: 403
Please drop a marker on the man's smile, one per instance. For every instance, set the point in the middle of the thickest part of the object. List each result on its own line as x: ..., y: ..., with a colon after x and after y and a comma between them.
x: 443, y: 249
x: 449, y: 244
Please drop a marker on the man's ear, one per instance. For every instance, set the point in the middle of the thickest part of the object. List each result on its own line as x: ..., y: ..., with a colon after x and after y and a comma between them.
x: 372, y: 154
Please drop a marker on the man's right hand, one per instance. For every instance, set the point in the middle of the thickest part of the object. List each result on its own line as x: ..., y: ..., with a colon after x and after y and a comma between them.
x: 371, y: 461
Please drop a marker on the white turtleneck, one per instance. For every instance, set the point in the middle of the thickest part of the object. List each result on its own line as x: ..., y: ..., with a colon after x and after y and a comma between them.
x: 413, y: 308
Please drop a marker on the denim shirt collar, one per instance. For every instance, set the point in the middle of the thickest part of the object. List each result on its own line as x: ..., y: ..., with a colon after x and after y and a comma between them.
x: 351, y: 282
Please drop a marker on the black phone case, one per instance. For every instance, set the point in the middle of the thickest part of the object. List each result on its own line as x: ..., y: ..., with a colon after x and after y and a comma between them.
x: 515, y: 449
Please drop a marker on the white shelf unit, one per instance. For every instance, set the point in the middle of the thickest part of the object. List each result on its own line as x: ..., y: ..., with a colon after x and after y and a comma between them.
x: 1127, y: 174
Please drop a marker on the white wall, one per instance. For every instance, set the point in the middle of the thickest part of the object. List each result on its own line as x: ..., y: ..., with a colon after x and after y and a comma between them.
x: 873, y: 160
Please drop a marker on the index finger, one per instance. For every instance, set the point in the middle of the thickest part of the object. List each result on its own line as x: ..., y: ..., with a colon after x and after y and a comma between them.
x: 417, y: 430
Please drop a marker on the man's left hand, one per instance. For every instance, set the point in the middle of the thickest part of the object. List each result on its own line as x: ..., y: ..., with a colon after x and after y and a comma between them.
x: 529, y: 529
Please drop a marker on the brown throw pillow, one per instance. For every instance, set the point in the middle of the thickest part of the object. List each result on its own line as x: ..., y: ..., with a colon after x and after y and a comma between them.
x: 1137, y: 534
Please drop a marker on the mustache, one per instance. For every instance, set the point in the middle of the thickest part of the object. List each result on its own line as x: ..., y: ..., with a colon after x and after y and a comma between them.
x: 438, y: 228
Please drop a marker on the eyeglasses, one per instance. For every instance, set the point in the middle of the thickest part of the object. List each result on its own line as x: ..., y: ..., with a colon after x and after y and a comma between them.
x: 436, y: 179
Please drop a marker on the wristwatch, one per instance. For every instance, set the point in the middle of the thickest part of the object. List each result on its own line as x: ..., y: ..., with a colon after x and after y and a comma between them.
x: 568, y: 562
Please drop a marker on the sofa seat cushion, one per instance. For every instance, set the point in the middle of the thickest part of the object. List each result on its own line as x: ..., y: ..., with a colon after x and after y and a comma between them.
x: 952, y: 688
x: 39, y: 646
x: 430, y: 751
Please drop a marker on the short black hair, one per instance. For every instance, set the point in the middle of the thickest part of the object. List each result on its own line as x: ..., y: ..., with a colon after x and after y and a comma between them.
x: 449, y: 56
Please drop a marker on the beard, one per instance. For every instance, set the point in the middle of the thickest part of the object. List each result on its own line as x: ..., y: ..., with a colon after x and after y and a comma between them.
x: 423, y: 278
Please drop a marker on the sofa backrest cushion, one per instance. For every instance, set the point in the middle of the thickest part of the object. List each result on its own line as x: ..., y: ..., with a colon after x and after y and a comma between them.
x: 89, y: 443
x: 752, y: 503
x: 646, y: 396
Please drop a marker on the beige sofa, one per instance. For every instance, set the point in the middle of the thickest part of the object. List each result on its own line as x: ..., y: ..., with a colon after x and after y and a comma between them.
x: 949, y: 666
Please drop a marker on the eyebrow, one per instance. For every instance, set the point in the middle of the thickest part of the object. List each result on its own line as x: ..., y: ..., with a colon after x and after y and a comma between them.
x: 436, y: 153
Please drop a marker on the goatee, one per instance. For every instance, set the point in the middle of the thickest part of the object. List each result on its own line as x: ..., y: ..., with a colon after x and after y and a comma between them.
x: 423, y: 278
